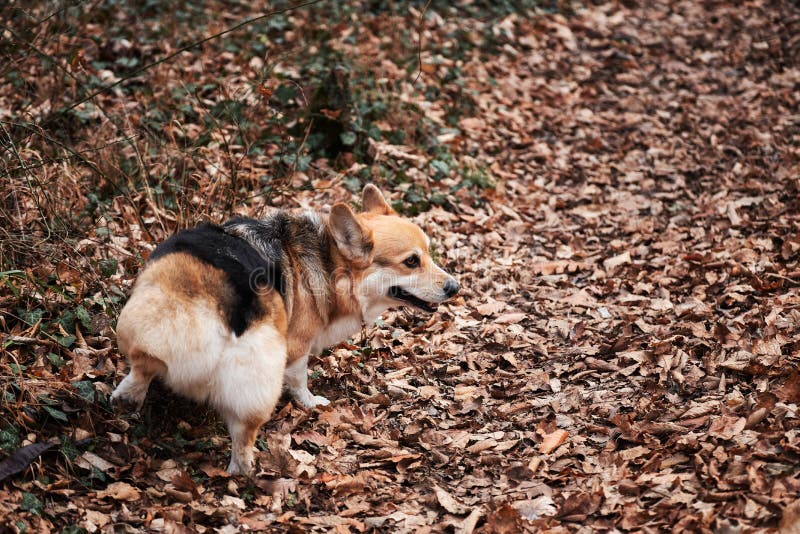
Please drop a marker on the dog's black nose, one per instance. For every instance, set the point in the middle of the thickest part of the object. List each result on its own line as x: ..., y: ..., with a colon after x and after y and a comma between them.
x: 451, y: 287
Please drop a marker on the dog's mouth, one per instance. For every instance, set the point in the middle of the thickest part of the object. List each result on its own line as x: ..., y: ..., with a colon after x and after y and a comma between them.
x: 399, y: 293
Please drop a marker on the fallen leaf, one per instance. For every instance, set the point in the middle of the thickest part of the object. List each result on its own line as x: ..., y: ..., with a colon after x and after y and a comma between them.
x: 120, y: 491
x: 580, y: 506
x: 89, y: 460
x: 168, y: 474
x: 531, y: 510
x: 789, y: 391
x: 615, y: 261
x: 491, y: 307
x: 448, y: 502
x: 510, y: 318
x: 22, y: 458
x: 233, y: 502
x: 726, y: 426
x: 553, y: 440
x: 503, y: 520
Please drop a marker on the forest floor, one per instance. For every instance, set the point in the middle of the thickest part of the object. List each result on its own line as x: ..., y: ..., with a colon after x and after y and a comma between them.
x: 616, y: 186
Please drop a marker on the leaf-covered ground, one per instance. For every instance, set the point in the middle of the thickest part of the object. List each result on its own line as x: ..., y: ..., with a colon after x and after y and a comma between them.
x: 615, y: 185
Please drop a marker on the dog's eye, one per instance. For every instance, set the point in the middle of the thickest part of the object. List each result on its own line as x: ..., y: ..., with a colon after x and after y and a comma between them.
x: 412, y: 262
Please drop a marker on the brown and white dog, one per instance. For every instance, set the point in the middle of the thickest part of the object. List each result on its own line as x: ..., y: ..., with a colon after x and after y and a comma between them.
x: 230, y: 314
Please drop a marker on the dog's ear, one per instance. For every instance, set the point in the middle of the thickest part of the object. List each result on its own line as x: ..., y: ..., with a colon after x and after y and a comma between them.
x: 373, y: 202
x: 353, y: 239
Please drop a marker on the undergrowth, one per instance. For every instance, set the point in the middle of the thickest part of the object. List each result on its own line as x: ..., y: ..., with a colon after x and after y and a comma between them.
x: 235, y: 124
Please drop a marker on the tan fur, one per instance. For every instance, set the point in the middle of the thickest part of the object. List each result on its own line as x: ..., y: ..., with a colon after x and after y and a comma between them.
x: 173, y: 325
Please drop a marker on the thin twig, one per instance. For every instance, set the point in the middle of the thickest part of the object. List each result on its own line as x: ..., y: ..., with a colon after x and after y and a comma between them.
x: 784, y: 278
x: 419, y: 43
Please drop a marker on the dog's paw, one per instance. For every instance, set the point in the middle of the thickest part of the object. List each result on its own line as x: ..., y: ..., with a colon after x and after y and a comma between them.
x: 240, y: 467
x: 318, y: 400
x: 309, y: 400
x: 129, y: 394
x: 122, y: 403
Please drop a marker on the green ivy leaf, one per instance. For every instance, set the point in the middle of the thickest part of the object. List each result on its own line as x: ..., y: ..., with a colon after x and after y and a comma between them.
x: 9, y: 438
x: 31, y: 317
x: 108, y: 267
x: 65, y: 341
x: 55, y: 360
x: 31, y: 503
x: 84, y: 317
x: 348, y: 138
x: 128, y: 62
x: 85, y: 389
x: 67, y: 320
x: 352, y: 183
x: 68, y: 448
x: 285, y: 93
x: 441, y: 168
x: 56, y: 414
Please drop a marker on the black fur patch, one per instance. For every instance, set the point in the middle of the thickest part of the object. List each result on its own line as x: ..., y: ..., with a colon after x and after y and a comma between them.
x: 248, y: 271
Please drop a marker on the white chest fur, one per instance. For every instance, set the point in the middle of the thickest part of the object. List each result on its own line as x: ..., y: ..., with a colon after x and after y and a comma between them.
x: 335, y: 333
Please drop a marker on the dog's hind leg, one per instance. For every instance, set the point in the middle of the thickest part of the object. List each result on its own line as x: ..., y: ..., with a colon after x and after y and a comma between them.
x: 133, y: 387
x: 246, y: 388
x: 243, y: 437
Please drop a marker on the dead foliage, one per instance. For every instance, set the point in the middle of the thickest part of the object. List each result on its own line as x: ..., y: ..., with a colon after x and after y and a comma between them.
x: 623, y: 355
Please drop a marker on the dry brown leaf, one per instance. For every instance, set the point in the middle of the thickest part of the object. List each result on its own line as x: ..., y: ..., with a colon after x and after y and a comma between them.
x: 470, y: 522
x: 168, y: 474
x: 789, y: 391
x: 510, y: 318
x: 448, y: 502
x: 89, y: 460
x: 790, y: 519
x: 615, y: 261
x: 726, y: 426
x: 481, y: 446
x: 120, y: 491
x: 633, y: 453
x: 553, y: 440
x: 233, y: 502
x: 503, y: 520
x: 428, y: 392
x: 347, y: 484
x: 548, y: 268
x: 491, y: 307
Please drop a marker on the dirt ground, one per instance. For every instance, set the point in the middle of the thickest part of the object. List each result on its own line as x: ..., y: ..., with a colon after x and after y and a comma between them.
x: 620, y: 204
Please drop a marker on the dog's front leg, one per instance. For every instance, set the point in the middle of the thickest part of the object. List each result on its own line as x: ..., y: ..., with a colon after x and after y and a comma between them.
x: 296, y: 381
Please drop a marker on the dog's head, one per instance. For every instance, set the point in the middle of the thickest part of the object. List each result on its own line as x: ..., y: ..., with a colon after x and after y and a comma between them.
x: 391, y: 255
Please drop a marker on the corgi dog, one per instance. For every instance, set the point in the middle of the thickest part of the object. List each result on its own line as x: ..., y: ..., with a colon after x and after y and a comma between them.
x: 228, y: 315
